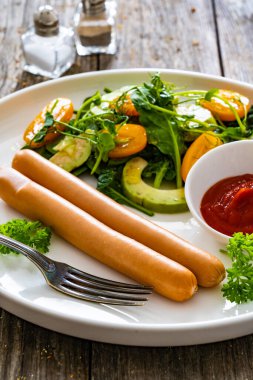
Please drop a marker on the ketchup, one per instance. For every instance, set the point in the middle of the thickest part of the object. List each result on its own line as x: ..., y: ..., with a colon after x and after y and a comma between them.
x: 228, y: 205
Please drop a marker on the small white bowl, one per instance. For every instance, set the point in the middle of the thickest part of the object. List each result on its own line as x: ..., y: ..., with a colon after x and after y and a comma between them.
x: 228, y: 160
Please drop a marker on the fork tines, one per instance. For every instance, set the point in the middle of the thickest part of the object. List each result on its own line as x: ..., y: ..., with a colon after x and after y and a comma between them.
x: 76, y: 283
x: 97, y: 289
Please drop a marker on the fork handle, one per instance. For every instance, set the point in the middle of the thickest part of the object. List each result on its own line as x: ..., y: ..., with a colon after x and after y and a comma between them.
x: 36, y: 257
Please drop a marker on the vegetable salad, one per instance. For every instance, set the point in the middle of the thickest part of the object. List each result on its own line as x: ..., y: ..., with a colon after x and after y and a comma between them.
x: 140, y: 141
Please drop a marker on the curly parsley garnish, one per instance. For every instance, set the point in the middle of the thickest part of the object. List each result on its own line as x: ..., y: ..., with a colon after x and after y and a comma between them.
x: 239, y: 286
x: 30, y: 233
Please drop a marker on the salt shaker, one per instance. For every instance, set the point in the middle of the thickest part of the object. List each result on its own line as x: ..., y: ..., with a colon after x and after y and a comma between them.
x: 49, y: 49
x: 95, y: 30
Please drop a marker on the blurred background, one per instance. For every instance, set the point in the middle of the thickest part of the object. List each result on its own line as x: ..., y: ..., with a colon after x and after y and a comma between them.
x: 209, y: 36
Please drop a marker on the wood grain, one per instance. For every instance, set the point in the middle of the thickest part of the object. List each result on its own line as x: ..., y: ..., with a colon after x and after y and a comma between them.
x: 30, y: 352
x: 235, y: 28
x: 226, y: 360
x: 182, y: 34
x: 166, y: 34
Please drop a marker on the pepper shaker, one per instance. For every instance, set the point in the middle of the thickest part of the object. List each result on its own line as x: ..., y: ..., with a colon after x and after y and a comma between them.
x: 95, y: 30
x: 49, y: 49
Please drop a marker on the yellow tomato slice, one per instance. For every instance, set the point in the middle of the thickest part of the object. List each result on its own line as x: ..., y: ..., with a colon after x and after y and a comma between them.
x: 125, y: 106
x: 197, y: 149
x: 62, y: 110
x: 130, y: 139
x: 222, y: 110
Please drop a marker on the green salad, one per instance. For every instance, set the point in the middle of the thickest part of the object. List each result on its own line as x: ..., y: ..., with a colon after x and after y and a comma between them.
x: 140, y: 141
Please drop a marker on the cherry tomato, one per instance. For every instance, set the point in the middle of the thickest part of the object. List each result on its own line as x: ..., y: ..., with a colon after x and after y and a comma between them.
x: 125, y: 106
x: 198, y: 148
x: 61, y: 109
x: 220, y: 109
x: 130, y: 139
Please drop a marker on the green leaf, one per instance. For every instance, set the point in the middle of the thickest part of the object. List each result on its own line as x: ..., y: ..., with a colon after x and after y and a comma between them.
x: 34, y: 234
x: 156, y: 92
x: 107, y: 90
x: 49, y: 120
x: 109, y: 183
x: 211, y: 93
x: 105, y: 142
x: 239, y: 285
x: 164, y: 132
x: 110, y: 177
x: 141, y: 98
x: 160, y: 91
x: 109, y: 125
x: 48, y: 123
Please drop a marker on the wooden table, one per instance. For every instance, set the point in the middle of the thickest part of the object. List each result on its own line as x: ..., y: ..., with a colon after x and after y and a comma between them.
x: 210, y: 36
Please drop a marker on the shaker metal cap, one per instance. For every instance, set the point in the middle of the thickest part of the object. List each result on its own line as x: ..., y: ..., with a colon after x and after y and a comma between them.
x: 93, y: 6
x: 46, y: 21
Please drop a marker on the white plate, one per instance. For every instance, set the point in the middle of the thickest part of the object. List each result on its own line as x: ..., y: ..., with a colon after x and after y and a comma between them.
x: 207, y: 317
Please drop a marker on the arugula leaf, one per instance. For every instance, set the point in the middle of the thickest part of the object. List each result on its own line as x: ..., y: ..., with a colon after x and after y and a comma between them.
x: 160, y: 174
x: 230, y: 134
x: 142, y: 99
x: 94, y: 99
x: 214, y: 93
x: 163, y: 131
x: 154, y: 102
x: 30, y: 233
x: 157, y: 162
x: 106, y: 178
x: 249, y: 125
x: 105, y: 143
x: 159, y: 92
x: 110, y: 177
x: 109, y: 183
x: 239, y: 286
x: 49, y: 122
x: 160, y: 170
x: 107, y: 90
x: 211, y: 93
x: 249, y: 121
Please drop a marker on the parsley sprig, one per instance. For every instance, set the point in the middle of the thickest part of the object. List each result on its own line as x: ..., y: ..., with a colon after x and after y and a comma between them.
x: 32, y: 233
x: 239, y: 285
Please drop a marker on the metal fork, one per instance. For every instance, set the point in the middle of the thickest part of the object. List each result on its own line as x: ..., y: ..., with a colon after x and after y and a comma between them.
x: 76, y: 283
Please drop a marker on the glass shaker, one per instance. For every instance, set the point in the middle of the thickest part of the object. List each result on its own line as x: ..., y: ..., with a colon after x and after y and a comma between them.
x: 95, y: 30
x: 49, y: 49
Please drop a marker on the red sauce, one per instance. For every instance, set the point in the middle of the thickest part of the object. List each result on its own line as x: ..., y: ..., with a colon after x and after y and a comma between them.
x: 228, y: 205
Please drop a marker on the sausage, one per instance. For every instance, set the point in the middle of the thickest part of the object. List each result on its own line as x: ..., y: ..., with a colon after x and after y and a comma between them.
x: 208, y: 269
x: 79, y: 228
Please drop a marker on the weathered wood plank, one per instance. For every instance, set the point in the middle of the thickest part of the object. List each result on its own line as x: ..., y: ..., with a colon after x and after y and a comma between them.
x: 11, y: 345
x: 166, y: 34
x: 235, y: 28
x: 30, y: 352
x: 226, y: 360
